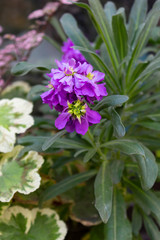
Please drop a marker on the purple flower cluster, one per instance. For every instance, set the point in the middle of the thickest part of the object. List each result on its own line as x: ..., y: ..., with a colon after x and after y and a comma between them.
x: 72, y: 85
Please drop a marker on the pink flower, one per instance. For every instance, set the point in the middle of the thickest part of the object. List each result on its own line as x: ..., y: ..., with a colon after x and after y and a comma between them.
x: 36, y: 14
x: 48, y: 10
x: 68, y: 1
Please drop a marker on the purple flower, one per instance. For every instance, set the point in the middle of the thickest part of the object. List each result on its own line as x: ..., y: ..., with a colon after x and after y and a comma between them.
x: 70, y: 52
x: 77, y: 117
x: 57, y: 97
x: 80, y: 79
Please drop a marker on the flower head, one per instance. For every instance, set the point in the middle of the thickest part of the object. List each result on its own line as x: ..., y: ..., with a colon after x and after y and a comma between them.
x: 70, y: 52
x: 78, y: 79
x: 77, y: 117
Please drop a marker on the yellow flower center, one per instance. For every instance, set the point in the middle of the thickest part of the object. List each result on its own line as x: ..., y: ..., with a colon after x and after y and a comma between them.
x: 50, y: 86
x: 90, y: 76
x: 71, y: 70
x: 77, y: 109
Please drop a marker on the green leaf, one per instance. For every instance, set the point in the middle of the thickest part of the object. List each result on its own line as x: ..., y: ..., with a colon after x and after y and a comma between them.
x: 22, y: 68
x: 126, y: 146
x: 153, y: 66
x: 111, y: 101
x: 35, y: 92
x: 147, y: 200
x: 118, y: 226
x: 116, y: 169
x: 148, y: 168
x: 51, y: 140
x: 145, y: 159
x: 89, y: 155
x: 83, y: 198
x: 151, y: 228
x: 118, y: 126
x: 74, y: 33
x: 137, y: 17
x: 110, y: 10
x: 144, y: 35
x: 105, y: 28
x: 56, y: 24
x: 150, y: 125
x: 65, y: 185
x: 103, y: 188
x: 20, y: 223
x: 97, y: 232
x: 136, y: 221
x: 120, y: 35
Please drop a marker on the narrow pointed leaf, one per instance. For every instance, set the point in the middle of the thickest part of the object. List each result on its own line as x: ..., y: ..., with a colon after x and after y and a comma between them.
x: 118, y: 126
x: 106, y: 33
x: 147, y: 200
x: 103, y: 188
x: 111, y: 101
x: 66, y: 184
x: 110, y: 10
x: 151, y: 228
x: 136, y: 221
x: 88, y: 156
x: 137, y: 17
x: 118, y: 226
x: 49, y: 142
x: 120, y: 35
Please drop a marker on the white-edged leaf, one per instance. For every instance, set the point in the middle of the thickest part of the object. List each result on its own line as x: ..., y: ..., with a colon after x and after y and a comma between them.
x: 14, y: 118
x: 21, y: 223
x: 19, y: 175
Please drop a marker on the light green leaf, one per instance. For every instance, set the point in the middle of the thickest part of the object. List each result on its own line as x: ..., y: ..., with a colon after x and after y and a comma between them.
x: 110, y: 10
x: 19, y: 174
x: 65, y: 185
x: 20, y: 223
x: 103, y: 188
x: 22, y: 68
x: 137, y: 17
x: 111, y: 101
x: 118, y: 126
x: 120, y: 35
x: 105, y: 28
x: 144, y: 35
x: 118, y: 226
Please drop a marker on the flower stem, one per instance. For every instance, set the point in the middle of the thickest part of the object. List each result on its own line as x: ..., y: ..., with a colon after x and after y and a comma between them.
x: 98, y: 149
